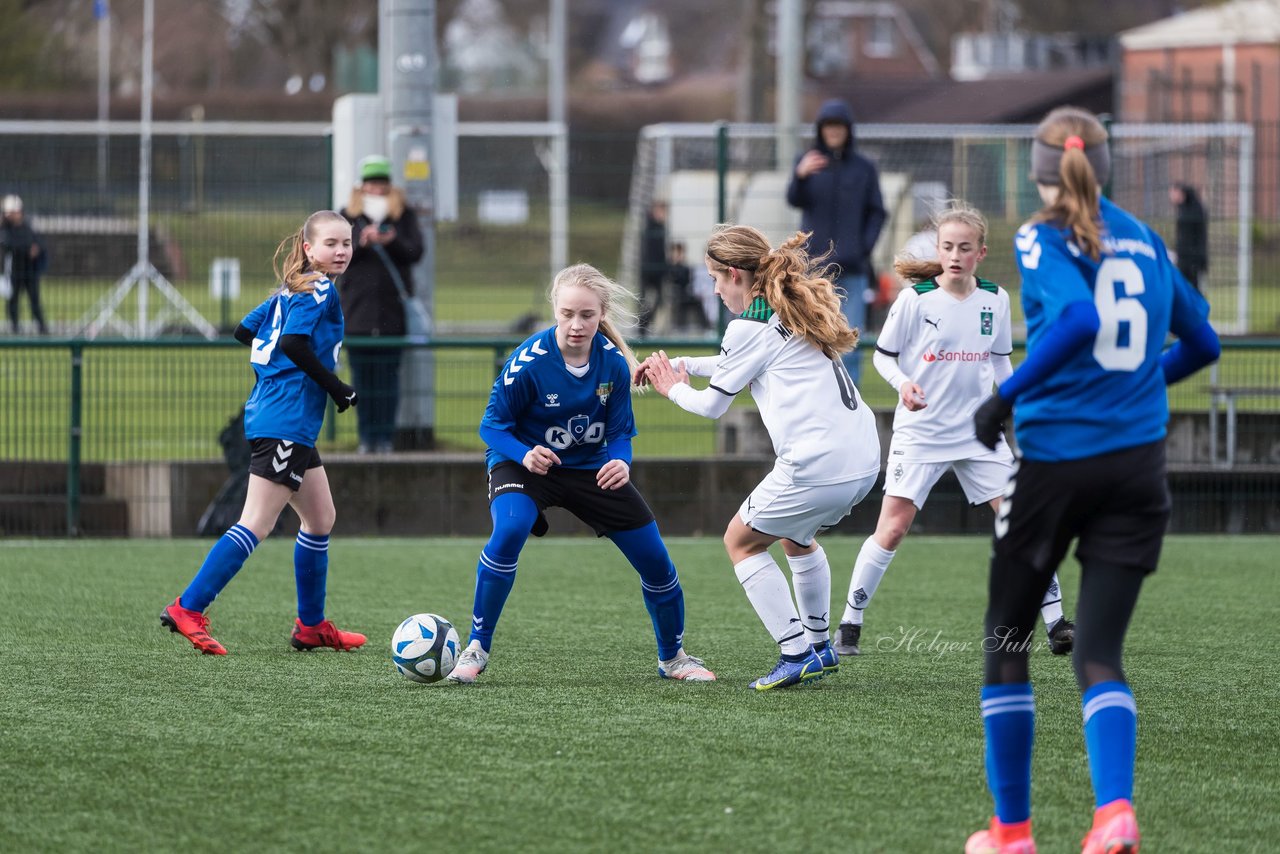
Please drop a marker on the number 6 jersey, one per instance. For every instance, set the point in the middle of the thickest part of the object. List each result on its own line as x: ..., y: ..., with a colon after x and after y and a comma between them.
x: 1110, y: 396
x: 822, y: 431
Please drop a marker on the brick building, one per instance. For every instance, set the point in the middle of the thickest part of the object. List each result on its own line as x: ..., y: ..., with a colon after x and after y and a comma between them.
x: 1219, y: 63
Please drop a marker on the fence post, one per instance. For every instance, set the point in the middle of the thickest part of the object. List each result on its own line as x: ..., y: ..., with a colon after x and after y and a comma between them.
x: 73, y: 440
x: 722, y: 193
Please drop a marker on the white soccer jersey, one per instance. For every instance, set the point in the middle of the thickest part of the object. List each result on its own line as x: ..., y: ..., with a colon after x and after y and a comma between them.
x: 945, y: 345
x: 821, y: 429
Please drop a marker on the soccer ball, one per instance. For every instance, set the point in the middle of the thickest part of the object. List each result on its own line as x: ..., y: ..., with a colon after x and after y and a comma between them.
x: 425, y: 648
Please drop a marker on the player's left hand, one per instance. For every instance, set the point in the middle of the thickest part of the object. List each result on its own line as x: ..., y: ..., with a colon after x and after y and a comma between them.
x: 614, y: 474
x: 663, y: 374
x: 988, y: 421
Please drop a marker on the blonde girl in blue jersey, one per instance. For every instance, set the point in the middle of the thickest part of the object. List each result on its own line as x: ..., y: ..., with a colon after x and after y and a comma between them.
x: 1090, y: 408
x: 558, y: 429
x: 295, y: 336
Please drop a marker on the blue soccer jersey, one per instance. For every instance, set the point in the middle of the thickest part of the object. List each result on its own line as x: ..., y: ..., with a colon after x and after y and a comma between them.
x: 540, y: 402
x: 286, y: 403
x: 1110, y: 396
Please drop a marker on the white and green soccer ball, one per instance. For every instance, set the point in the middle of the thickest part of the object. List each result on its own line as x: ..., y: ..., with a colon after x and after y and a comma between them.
x: 425, y: 648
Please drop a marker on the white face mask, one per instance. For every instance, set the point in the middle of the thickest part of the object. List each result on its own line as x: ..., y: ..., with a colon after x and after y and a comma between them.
x: 375, y: 208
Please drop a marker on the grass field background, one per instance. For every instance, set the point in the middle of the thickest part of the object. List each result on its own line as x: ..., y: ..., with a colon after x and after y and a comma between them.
x: 117, y: 736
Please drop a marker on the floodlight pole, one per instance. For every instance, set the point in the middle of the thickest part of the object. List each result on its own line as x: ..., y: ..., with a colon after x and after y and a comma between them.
x: 407, y: 71
x: 144, y: 274
x: 788, y: 80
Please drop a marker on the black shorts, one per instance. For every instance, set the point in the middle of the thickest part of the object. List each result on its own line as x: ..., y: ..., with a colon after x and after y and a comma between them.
x: 575, y: 490
x: 1116, y: 506
x: 282, y: 461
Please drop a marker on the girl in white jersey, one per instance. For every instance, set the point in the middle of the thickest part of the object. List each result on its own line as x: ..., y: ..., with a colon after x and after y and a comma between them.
x: 784, y: 344
x: 949, y: 334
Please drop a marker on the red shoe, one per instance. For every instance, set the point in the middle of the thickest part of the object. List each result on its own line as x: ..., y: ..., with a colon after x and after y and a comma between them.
x: 325, y: 634
x: 192, y: 625
x: 1115, y: 830
x: 1002, y: 839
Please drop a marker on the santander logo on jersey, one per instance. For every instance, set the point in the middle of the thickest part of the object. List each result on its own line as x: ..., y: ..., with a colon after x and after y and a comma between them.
x: 945, y: 355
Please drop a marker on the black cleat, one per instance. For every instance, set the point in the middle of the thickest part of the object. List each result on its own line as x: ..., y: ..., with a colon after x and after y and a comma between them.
x: 1062, y: 637
x: 847, y: 639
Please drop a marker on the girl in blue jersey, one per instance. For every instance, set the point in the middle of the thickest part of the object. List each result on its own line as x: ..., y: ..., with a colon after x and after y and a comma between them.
x: 1089, y: 405
x: 558, y: 428
x: 295, y: 336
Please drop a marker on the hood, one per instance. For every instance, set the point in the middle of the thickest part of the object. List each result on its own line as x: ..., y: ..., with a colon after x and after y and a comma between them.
x: 834, y: 110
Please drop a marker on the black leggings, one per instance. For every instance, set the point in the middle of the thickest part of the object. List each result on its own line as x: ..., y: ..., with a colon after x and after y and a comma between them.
x: 1108, y: 595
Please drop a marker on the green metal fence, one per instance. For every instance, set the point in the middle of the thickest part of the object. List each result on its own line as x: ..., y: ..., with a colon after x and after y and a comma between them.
x: 75, y: 405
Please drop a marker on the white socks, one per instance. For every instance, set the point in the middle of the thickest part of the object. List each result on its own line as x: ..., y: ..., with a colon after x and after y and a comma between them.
x: 1051, y: 605
x: 868, y: 569
x: 769, y: 594
x: 811, y: 578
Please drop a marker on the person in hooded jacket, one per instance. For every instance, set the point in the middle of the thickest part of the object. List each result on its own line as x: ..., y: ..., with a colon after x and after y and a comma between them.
x: 838, y: 193
x: 387, y: 242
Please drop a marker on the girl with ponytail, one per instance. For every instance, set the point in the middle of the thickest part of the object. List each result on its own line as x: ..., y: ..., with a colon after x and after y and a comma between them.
x: 784, y: 344
x: 558, y: 429
x: 1089, y: 407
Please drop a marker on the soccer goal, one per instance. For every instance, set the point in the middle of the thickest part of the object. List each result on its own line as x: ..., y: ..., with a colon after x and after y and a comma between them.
x: 687, y: 165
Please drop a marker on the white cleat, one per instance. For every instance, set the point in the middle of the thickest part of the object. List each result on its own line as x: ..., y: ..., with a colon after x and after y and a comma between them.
x: 685, y: 668
x: 470, y: 664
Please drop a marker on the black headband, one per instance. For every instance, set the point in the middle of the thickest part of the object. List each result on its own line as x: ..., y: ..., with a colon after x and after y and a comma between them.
x: 724, y: 263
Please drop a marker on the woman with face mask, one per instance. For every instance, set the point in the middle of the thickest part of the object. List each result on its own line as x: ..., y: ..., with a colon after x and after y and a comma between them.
x: 387, y: 242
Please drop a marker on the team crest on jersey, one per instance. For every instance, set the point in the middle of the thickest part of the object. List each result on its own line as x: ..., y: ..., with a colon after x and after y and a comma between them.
x: 897, y: 473
x: 553, y: 400
x: 603, y: 391
x: 988, y: 320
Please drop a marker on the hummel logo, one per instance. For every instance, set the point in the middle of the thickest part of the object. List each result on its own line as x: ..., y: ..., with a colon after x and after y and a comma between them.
x: 553, y: 400
x: 283, y: 452
x: 519, y: 361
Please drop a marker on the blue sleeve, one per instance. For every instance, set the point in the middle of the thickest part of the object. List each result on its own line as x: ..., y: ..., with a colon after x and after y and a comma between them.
x: 1190, y: 353
x: 253, y: 320
x: 1050, y: 275
x: 1076, y: 327
x: 504, y: 442
x: 620, y: 449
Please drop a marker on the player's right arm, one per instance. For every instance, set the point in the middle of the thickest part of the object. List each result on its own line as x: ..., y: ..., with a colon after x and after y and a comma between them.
x: 508, y: 403
x: 1197, y: 344
x: 889, y: 345
x: 745, y: 355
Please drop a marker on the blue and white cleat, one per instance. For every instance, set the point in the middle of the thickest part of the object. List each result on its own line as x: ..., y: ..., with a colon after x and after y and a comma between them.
x: 830, y: 659
x: 787, y: 673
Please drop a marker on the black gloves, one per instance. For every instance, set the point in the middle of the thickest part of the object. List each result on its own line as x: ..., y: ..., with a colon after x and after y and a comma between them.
x: 988, y: 421
x: 344, y: 396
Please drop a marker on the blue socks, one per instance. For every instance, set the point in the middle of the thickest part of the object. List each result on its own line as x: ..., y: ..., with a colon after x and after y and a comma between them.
x: 220, y: 566
x: 310, y: 570
x: 1009, y: 718
x: 659, y: 584
x: 513, y: 516
x: 1111, y: 737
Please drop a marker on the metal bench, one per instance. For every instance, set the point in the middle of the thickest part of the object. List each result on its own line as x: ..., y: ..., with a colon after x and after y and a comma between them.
x: 1226, y: 397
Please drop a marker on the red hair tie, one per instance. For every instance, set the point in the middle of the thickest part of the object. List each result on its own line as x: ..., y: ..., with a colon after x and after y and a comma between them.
x: 1073, y: 142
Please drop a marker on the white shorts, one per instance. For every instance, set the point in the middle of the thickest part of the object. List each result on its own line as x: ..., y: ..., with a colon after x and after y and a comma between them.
x: 780, y: 508
x: 982, y: 479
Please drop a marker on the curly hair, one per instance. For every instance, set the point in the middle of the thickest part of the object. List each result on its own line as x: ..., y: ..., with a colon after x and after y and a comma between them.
x: 290, y: 262
x: 797, y: 287
x: 957, y: 211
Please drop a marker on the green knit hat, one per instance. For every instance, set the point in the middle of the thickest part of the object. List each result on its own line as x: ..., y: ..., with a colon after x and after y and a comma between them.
x: 375, y: 167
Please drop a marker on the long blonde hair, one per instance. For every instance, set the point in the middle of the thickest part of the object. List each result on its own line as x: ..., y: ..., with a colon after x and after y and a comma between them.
x: 957, y: 211
x: 614, y: 298
x: 1077, y: 204
x: 291, y: 265
x: 797, y: 287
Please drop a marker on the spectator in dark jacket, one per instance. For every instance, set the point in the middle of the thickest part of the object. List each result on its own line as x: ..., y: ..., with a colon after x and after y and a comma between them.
x: 23, y: 259
x: 653, y: 264
x: 838, y: 193
x: 1191, y: 238
x: 387, y: 242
